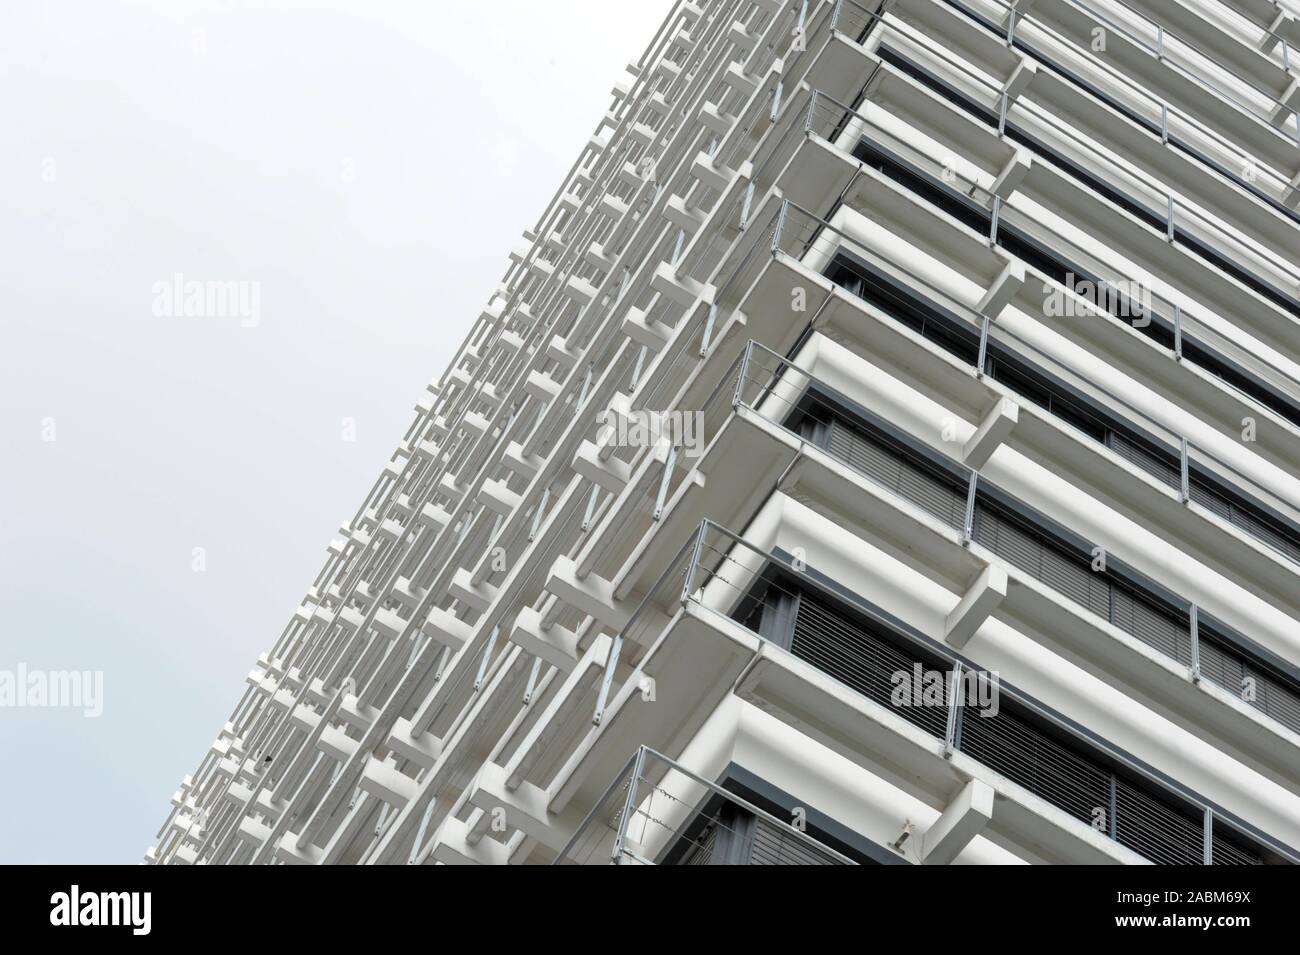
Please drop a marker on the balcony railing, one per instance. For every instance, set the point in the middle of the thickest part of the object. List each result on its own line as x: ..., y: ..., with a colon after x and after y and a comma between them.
x: 967, y: 501
x: 1163, y: 44
x: 791, y: 398
x: 1152, y: 108
x: 810, y: 239
x: 658, y: 812
x: 1148, y: 198
x: 778, y: 598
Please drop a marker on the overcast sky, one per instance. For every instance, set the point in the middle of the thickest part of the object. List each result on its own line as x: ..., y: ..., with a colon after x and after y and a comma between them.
x: 170, y: 480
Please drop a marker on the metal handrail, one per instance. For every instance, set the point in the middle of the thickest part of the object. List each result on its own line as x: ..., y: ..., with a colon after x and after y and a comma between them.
x: 966, y: 190
x: 1163, y: 110
x: 1152, y: 782
x: 629, y: 779
x: 1157, y: 51
x: 1179, y: 443
x: 1163, y: 34
x: 1169, y: 204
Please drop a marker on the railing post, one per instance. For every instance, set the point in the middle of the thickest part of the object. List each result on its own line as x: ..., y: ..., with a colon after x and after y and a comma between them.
x: 1011, y: 28
x: 708, y: 329
x: 1178, y: 332
x: 688, y: 584
x: 968, y: 525
x: 780, y: 224
x: 993, y: 220
x: 1194, y: 630
x: 537, y: 514
x: 812, y: 110
x: 1169, y: 224
x: 669, y: 466
x: 640, y: 363
x: 835, y: 15
x: 984, y: 347
x: 1164, y: 122
x: 607, y: 678
x: 586, y: 384
x: 954, y: 709
x: 1112, y: 807
x: 487, y: 656
x: 744, y: 208
x: 532, y: 680
x: 741, y: 376
x: 1207, y: 838
x: 591, y: 507
x: 1003, y: 107
x: 1184, y: 480
x: 413, y: 857
x: 633, y: 784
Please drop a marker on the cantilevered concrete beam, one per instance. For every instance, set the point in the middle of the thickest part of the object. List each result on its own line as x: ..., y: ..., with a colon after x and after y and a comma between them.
x: 1020, y: 79
x: 962, y: 821
x: 557, y: 646
x: 992, y: 431
x: 1002, y: 289
x: 975, y: 606
x: 1012, y: 174
x: 592, y: 595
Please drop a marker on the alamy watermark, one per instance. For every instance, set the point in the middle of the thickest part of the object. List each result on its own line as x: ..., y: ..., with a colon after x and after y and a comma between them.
x: 645, y: 429
x: 24, y: 687
x: 131, y: 910
x: 179, y: 297
x: 1125, y: 299
x: 976, y: 689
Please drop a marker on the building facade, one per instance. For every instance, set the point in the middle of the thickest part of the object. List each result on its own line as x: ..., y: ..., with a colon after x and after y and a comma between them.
x: 883, y: 450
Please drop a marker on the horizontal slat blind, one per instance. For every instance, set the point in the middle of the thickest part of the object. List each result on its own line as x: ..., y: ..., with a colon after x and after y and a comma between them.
x: 774, y: 846
x: 888, y: 467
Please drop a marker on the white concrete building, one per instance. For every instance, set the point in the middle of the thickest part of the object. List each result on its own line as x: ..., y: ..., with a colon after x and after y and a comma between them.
x: 883, y: 450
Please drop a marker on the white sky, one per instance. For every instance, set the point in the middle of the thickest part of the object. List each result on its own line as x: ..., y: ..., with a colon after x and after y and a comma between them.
x: 368, y: 163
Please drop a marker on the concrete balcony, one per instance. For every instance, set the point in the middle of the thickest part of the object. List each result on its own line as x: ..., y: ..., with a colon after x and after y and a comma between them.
x: 1042, y: 436
x: 659, y: 812
x: 895, y: 211
x: 871, y: 734
x: 1142, y: 86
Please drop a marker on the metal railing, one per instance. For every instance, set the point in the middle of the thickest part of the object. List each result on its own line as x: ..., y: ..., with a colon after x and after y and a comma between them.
x: 1158, y: 202
x: 1159, y: 46
x: 775, y: 597
x: 810, y: 239
x: 657, y: 809
x: 784, y: 394
x: 1163, y: 43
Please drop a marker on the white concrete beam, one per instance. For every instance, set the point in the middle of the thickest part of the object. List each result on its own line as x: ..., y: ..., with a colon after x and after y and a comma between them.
x: 963, y: 819
x: 451, y: 846
x: 1002, y: 289
x: 557, y: 646
x: 442, y: 627
x: 975, y: 606
x: 384, y: 781
x: 592, y: 595
x: 1012, y: 174
x: 463, y: 588
x: 992, y: 432
x: 611, y: 474
x: 1020, y: 79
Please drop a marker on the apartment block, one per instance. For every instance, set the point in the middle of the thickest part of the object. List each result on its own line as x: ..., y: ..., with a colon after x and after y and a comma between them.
x: 883, y: 450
